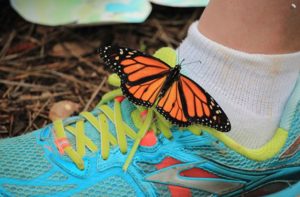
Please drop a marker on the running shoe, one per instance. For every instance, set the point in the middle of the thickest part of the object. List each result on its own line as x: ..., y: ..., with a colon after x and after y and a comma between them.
x: 119, y: 149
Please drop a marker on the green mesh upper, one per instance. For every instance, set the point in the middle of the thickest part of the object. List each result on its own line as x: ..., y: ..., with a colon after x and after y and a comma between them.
x: 146, y: 167
x: 198, y: 193
x: 110, y: 187
x: 22, y: 158
x: 162, y: 190
x: 21, y: 190
x: 58, y: 176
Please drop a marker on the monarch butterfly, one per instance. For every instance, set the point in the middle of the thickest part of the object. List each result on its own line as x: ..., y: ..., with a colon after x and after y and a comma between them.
x: 146, y: 80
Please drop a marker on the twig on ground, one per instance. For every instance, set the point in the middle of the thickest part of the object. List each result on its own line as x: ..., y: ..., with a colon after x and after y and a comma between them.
x: 97, y: 90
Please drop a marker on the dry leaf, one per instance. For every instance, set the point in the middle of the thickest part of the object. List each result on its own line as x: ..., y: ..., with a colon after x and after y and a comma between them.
x: 68, y: 49
x: 21, y: 47
x: 63, y: 109
x: 60, y: 50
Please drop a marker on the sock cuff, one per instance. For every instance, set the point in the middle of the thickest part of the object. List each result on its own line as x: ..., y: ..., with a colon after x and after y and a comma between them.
x: 257, y: 83
x: 264, y: 62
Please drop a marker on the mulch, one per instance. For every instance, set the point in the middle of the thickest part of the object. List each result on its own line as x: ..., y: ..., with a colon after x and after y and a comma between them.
x: 42, y: 65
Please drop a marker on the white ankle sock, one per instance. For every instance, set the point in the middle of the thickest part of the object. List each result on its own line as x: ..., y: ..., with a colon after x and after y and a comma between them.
x: 252, y: 89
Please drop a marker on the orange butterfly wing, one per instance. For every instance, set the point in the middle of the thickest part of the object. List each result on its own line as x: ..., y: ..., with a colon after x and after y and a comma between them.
x: 145, y: 93
x: 185, y: 102
x: 171, y: 106
x: 140, y: 69
x: 200, y: 107
x: 142, y: 76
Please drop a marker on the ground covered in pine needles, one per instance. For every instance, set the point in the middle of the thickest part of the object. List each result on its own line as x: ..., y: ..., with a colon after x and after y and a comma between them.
x: 41, y: 66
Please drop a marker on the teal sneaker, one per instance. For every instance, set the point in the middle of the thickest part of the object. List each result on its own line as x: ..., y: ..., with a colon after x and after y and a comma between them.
x: 119, y: 149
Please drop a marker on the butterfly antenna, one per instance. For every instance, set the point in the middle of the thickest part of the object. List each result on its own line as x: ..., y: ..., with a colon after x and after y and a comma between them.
x: 198, y: 61
x: 182, y: 61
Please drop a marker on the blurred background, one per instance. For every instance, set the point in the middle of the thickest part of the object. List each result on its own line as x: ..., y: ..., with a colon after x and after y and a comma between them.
x: 48, y: 64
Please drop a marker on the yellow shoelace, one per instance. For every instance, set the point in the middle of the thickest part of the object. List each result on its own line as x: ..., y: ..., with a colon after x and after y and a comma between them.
x: 152, y: 121
x: 108, y: 140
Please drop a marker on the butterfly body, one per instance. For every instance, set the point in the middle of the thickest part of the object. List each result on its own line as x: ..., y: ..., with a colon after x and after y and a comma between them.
x: 148, y: 81
x: 172, y: 76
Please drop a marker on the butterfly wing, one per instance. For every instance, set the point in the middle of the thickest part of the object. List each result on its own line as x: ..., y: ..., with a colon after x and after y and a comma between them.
x: 142, y: 76
x: 145, y: 93
x: 171, y: 105
x: 185, y: 102
x: 200, y: 107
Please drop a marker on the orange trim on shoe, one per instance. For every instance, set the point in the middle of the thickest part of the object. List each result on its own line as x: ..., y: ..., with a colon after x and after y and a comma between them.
x: 61, y: 144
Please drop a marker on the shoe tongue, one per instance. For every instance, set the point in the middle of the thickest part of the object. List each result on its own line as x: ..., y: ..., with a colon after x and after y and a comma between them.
x: 93, y: 134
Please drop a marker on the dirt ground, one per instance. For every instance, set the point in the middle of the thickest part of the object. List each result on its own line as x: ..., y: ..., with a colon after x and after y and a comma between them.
x: 40, y: 65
